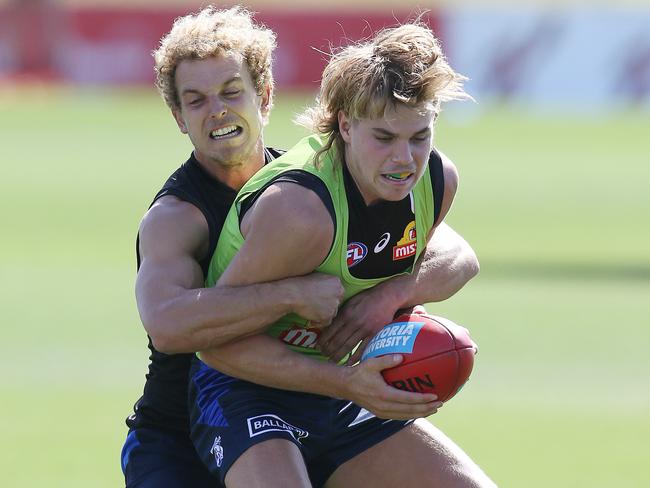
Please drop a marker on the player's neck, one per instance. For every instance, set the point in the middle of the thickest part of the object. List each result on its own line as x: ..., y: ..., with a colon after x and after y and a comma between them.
x: 233, y: 173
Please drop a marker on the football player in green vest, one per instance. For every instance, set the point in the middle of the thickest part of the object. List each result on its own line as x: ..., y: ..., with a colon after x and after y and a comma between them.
x: 360, y: 199
x: 213, y: 70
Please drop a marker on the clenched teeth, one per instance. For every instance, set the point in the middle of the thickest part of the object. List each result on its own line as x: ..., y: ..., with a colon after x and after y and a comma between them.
x: 224, y: 131
x: 398, y: 176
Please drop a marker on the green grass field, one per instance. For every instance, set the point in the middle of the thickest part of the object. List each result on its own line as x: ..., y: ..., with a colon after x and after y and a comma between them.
x: 556, y: 208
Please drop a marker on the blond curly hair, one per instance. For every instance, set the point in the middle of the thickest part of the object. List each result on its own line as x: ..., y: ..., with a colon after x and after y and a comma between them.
x: 399, y: 65
x: 209, y: 33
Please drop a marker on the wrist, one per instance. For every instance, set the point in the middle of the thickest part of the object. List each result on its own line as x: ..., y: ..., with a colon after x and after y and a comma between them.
x: 297, y: 294
x: 334, y: 380
x: 396, y: 292
x: 286, y: 294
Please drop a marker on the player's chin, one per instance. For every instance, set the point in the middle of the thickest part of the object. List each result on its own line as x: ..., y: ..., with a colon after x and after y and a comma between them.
x: 231, y: 153
x: 396, y: 194
x: 232, y: 144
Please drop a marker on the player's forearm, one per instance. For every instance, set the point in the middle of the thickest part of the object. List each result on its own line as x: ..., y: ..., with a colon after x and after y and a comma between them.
x: 267, y: 361
x: 446, y: 265
x: 196, y: 319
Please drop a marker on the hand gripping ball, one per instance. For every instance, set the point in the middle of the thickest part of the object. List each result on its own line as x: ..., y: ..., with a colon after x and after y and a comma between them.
x: 438, y: 354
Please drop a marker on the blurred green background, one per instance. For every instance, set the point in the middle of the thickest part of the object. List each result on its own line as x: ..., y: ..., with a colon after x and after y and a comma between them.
x: 556, y: 208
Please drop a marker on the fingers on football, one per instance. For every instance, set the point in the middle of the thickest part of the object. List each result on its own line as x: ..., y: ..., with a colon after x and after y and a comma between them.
x: 415, y: 309
x: 383, y: 362
x: 397, y: 396
x: 406, y: 411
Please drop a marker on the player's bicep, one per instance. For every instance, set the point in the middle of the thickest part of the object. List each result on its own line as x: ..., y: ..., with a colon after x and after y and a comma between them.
x: 172, y: 236
x: 161, y: 277
x: 288, y: 232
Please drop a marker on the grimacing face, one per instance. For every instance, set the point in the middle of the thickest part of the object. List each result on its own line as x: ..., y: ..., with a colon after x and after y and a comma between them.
x: 220, y: 110
x: 386, y: 156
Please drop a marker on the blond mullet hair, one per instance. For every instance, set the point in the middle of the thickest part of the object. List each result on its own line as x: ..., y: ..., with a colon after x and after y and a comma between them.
x: 400, y: 65
x: 213, y: 33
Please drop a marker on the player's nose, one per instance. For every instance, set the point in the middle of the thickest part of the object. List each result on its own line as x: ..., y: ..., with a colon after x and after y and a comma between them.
x: 402, y: 152
x: 217, y: 107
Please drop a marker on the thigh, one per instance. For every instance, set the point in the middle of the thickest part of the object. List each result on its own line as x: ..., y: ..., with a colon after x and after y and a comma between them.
x: 419, y: 455
x: 249, y: 435
x: 158, y: 459
x: 351, y: 430
x: 275, y: 463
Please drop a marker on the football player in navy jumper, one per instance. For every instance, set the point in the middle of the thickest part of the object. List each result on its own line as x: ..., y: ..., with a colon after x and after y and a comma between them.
x: 213, y: 70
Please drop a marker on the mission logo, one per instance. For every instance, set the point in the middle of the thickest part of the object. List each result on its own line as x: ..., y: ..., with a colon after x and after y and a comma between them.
x: 407, y: 245
x: 301, y: 336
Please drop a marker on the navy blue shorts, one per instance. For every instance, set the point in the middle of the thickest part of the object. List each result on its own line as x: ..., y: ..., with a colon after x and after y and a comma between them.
x: 228, y: 416
x: 158, y: 459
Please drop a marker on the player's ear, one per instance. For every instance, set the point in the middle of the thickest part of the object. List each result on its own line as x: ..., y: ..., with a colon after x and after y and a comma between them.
x: 344, y: 126
x: 267, y: 97
x: 179, y: 121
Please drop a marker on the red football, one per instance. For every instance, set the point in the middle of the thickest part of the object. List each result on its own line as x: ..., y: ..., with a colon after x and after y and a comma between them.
x: 438, y: 354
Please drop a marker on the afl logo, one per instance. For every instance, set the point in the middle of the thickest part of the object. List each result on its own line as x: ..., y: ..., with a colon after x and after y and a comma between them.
x: 357, y: 251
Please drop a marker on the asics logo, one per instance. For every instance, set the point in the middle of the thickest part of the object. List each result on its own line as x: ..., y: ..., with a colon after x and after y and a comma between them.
x: 383, y: 242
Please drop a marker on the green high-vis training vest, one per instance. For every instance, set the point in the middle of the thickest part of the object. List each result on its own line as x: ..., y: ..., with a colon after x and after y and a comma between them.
x: 295, y: 330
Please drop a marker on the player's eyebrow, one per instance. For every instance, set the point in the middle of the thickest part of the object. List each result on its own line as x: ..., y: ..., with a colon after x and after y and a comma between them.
x: 194, y: 91
x: 383, y: 132
x: 191, y: 91
x: 386, y: 132
x: 235, y: 78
